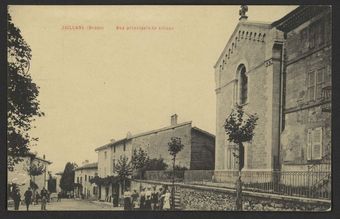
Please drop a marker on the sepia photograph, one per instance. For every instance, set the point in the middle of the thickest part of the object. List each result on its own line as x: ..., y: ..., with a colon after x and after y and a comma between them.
x: 169, y: 108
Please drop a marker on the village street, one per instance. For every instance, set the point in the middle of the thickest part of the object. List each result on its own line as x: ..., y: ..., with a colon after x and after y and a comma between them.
x: 72, y: 205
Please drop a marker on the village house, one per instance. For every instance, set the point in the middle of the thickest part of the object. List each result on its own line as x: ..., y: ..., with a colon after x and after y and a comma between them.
x: 58, y: 178
x: 21, y: 176
x: 282, y: 72
x: 83, y: 175
x: 198, y: 152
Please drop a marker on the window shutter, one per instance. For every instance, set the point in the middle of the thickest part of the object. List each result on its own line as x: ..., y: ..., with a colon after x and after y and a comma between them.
x: 309, y: 144
x: 317, y: 144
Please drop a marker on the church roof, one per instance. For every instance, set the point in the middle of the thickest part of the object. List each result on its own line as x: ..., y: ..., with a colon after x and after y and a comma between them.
x: 238, y: 33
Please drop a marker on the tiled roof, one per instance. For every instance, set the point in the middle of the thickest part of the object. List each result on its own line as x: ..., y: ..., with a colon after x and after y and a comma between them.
x: 142, y: 134
x: 30, y: 154
x: 298, y: 16
x: 204, y: 132
x: 88, y: 166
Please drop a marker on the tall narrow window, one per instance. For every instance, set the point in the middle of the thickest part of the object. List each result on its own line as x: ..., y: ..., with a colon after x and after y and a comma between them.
x: 242, y: 85
x: 311, y: 85
x: 314, y: 144
x: 231, y: 162
x: 235, y: 93
x: 316, y: 81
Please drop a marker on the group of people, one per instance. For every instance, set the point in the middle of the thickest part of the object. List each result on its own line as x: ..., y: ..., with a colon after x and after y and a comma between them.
x: 28, y: 197
x: 148, y: 199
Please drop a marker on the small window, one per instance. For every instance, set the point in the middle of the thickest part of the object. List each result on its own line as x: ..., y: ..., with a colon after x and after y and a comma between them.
x: 85, y: 177
x: 316, y: 33
x: 316, y: 82
x: 314, y: 144
x: 304, y: 40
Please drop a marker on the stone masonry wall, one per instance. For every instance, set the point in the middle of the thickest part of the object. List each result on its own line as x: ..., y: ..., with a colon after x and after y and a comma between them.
x: 204, y: 198
x: 257, y: 57
x: 202, y: 151
x: 303, y: 55
x: 156, y: 144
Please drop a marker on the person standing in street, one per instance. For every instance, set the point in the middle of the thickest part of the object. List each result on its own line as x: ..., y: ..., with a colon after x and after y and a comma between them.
x: 161, y: 198
x: 59, y: 197
x: 148, y: 198
x: 16, y: 197
x: 28, y: 197
x: 142, y: 199
x: 44, y: 197
x: 167, y: 198
x: 36, y: 198
x: 134, y: 198
x: 127, y: 201
x: 154, y: 199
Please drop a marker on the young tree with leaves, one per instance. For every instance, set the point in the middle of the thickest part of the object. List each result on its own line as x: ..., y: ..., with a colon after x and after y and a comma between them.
x: 174, y: 147
x: 240, y: 130
x: 23, y: 105
x: 124, y: 169
x: 35, y: 169
x: 139, y: 160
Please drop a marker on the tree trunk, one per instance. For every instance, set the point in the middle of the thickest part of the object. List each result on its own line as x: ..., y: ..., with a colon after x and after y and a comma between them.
x: 173, y: 185
x: 239, y: 182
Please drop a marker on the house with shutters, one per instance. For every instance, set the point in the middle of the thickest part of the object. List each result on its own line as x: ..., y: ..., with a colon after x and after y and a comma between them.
x: 282, y: 72
x: 20, y: 174
x: 82, y: 179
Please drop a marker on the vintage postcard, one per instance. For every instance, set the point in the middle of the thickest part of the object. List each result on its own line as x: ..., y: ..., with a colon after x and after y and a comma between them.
x: 169, y: 108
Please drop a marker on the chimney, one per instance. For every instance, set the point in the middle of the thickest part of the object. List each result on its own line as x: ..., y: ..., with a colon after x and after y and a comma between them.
x: 174, y: 119
x: 128, y: 135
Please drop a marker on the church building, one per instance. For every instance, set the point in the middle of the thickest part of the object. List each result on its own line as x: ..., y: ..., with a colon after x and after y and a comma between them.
x: 282, y: 72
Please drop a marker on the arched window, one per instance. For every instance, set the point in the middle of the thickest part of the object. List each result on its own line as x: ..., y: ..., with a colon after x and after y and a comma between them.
x: 242, y: 85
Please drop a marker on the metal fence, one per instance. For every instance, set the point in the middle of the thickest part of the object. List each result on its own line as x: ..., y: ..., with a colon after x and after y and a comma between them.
x: 164, y: 175
x: 311, y: 184
x: 293, y: 183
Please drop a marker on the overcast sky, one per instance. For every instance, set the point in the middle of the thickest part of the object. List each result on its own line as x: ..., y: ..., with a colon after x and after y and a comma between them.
x: 96, y: 85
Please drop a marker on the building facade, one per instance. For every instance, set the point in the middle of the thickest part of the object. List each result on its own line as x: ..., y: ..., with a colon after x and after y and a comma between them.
x: 58, y: 177
x: 21, y: 174
x: 282, y: 72
x: 82, y: 177
x: 198, y: 151
x: 306, y: 110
